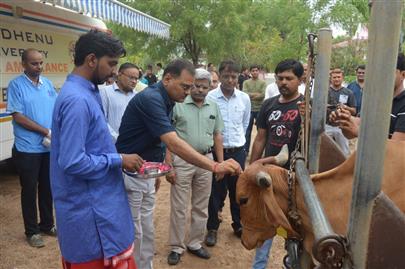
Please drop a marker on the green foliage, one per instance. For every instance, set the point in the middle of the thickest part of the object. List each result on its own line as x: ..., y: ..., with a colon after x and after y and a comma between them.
x: 263, y: 32
x: 348, y: 58
x: 350, y: 78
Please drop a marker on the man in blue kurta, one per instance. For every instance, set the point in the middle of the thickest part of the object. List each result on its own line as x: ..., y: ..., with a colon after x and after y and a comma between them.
x: 92, y: 211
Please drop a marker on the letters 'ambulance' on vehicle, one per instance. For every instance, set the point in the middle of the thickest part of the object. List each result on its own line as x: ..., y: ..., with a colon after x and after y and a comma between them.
x: 53, y: 31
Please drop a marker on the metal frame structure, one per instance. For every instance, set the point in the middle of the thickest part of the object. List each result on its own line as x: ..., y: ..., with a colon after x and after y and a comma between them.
x: 321, y: 84
x: 330, y: 249
x: 384, y: 32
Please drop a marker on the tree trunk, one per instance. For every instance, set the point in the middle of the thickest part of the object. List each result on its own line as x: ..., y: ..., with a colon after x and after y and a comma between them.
x: 191, y: 47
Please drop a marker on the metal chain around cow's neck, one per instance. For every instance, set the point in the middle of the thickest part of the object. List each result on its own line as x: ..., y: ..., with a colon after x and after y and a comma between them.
x: 292, y: 213
x: 307, y: 98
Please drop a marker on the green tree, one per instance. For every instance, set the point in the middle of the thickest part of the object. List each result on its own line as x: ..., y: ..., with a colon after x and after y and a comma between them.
x: 255, y: 31
x: 198, y: 28
x: 249, y: 31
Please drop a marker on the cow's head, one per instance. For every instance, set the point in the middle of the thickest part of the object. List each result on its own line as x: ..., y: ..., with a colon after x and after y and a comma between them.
x: 262, y: 196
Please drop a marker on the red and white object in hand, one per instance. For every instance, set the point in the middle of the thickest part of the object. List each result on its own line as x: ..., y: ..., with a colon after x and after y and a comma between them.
x: 151, y: 170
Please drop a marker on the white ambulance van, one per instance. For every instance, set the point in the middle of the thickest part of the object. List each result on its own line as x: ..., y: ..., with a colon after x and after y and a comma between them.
x: 52, y: 30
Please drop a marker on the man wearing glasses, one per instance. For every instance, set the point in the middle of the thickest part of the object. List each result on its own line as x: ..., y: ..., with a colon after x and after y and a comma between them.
x: 197, y: 121
x: 146, y: 130
x: 235, y: 110
x: 116, y: 97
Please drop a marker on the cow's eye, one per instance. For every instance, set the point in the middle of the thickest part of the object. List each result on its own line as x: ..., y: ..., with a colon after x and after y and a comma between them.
x: 243, y: 200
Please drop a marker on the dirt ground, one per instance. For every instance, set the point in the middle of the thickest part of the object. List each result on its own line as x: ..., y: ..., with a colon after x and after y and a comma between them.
x: 15, y: 253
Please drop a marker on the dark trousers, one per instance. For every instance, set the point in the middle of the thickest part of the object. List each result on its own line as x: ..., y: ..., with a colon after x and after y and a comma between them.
x: 219, y: 191
x: 253, y: 118
x: 33, y: 169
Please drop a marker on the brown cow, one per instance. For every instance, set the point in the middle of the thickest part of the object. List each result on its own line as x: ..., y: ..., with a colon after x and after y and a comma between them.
x: 264, y: 209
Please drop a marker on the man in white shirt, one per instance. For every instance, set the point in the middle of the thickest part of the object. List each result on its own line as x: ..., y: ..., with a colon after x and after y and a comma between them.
x: 115, y: 97
x: 235, y: 109
x: 159, y: 71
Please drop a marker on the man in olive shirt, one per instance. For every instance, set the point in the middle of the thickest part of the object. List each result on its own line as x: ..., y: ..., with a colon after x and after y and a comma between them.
x: 255, y: 88
x: 197, y: 121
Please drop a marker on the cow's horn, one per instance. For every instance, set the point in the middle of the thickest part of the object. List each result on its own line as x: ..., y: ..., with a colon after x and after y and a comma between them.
x: 263, y: 180
x: 282, y: 156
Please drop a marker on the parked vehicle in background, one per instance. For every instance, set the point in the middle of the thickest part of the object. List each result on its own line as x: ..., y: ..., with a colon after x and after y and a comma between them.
x: 53, y: 31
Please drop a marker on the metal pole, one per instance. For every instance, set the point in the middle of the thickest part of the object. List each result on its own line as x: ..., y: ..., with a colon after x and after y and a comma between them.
x: 320, y: 224
x: 385, y: 22
x: 328, y: 248
x: 320, y: 96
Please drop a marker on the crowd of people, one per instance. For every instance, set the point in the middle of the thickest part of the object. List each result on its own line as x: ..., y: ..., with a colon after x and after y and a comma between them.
x: 71, y: 146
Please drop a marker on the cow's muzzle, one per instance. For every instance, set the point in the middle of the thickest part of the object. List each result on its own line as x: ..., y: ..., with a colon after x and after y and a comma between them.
x: 263, y: 180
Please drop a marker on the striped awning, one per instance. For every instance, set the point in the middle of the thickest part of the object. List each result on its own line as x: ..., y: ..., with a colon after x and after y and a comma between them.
x: 114, y: 11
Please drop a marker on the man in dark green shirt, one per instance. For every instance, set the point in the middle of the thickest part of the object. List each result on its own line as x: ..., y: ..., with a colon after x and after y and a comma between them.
x: 255, y: 88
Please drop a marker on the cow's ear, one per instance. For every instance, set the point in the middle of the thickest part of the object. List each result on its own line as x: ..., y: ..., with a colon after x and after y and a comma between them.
x: 271, y: 232
x: 275, y: 214
x: 253, y: 240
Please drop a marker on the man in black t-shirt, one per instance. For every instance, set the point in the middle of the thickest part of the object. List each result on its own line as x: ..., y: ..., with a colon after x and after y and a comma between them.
x: 279, y: 120
x: 244, y: 75
x: 278, y: 123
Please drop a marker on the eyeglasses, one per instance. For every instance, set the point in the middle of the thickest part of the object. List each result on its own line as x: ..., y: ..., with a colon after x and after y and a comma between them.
x: 129, y: 77
x: 187, y: 87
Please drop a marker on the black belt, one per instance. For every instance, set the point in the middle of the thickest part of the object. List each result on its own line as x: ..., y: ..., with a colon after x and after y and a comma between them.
x: 206, y: 152
x: 233, y: 150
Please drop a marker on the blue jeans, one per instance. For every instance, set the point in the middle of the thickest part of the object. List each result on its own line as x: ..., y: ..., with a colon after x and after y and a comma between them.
x: 262, y: 255
x: 253, y: 118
